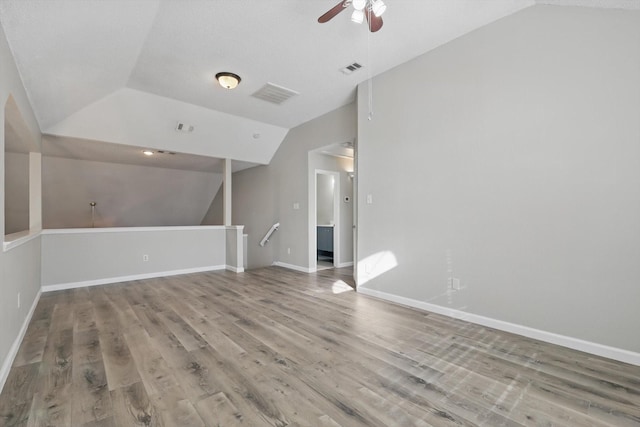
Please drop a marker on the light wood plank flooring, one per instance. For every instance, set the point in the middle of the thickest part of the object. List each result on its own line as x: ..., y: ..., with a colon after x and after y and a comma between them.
x: 272, y: 347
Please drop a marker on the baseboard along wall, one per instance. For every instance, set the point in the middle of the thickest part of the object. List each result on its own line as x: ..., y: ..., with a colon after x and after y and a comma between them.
x: 105, y: 281
x: 614, y: 353
x: 13, y: 351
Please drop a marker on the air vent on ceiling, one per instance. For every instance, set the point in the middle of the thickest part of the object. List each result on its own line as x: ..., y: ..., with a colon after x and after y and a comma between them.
x: 350, y: 68
x: 184, y: 128
x: 274, y: 93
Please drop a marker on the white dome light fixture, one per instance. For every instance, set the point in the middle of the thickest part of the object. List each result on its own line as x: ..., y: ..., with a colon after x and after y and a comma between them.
x: 357, y: 16
x: 228, y: 80
x: 359, y: 4
x: 378, y: 7
x: 362, y: 7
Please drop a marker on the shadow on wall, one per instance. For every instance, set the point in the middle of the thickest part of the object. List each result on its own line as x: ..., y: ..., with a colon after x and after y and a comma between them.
x: 125, y: 195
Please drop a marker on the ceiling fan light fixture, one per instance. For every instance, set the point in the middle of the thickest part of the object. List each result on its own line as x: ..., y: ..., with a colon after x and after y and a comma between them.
x: 228, y: 80
x: 378, y: 7
x: 359, y: 4
x: 357, y: 16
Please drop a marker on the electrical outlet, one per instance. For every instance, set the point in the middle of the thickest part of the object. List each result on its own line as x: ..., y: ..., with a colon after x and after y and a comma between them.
x: 289, y: 251
x: 18, y: 299
x: 145, y: 257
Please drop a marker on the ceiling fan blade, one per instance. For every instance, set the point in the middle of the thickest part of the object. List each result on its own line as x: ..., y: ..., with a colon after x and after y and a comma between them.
x: 375, y: 22
x: 333, y: 12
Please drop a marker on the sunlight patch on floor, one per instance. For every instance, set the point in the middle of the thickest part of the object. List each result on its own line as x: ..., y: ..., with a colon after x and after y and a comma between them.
x: 339, y: 287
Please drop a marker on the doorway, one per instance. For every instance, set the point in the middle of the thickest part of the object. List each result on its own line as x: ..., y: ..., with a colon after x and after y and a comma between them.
x: 327, y: 219
x: 331, y: 207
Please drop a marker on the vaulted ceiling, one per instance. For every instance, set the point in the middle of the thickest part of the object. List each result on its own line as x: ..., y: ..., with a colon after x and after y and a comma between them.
x: 126, y: 71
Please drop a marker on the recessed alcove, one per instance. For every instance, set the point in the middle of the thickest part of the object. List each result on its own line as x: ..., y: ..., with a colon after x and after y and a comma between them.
x: 16, y: 170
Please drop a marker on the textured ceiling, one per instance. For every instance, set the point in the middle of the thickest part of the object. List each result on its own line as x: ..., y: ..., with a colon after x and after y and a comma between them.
x: 600, y: 4
x: 74, y: 55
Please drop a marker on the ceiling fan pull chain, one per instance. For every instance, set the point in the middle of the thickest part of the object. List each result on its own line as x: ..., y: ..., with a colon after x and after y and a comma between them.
x: 370, y: 83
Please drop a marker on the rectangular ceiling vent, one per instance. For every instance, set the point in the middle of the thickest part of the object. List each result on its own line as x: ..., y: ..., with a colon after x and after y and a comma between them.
x: 183, y: 127
x: 350, y: 68
x: 274, y: 93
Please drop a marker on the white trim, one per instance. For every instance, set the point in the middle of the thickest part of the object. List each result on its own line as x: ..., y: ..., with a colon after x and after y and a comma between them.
x: 16, y: 239
x: 345, y: 264
x: 13, y: 351
x: 294, y: 267
x: 235, y: 269
x: 132, y: 229
x: 549, y: 337
x: 97, y: 282
x: 228, y: 227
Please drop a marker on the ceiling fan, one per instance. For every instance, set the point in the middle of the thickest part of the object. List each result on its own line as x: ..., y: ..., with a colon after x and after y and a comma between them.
x: 372, y: 10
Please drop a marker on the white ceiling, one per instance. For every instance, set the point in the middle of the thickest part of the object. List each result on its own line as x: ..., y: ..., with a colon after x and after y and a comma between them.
x: 74, y: 55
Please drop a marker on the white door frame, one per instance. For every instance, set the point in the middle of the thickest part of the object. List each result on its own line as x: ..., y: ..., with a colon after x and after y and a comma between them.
x: 313, y: 225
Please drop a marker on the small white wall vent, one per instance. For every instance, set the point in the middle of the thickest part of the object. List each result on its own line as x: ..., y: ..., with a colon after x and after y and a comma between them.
x: 184, y: 128
x: 274, y: 93
x: 350, y: 68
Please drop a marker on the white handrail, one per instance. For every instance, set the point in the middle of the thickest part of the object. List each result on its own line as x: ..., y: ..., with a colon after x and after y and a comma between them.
x: 273, y: 228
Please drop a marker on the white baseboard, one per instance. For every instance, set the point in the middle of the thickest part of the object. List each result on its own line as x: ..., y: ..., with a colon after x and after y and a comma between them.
x: 13, y: 351
x: 550, y: 337
x: 97, y: 282
x: 294, y: 267
x: 305, y: 269
x: 235, y: 269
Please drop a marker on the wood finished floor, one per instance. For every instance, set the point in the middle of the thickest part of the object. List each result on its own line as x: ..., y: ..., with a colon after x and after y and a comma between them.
x: 272, y: 347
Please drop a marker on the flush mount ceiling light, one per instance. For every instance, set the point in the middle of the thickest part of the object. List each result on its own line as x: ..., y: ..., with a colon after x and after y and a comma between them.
x: 357, y: 16
x: 147, y: 153
x: 378, y: 7
x: 228, y: 80
x: 372, y: 10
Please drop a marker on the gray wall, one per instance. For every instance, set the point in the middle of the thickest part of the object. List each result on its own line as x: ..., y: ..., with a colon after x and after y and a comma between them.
x: 510, y: 159
x: 126, y: 195
x: 19, y: 266
x: 74, y: 256
x: 16, y: 195
x: 215, y: 213
x: 235, y: 248
x: 265, y: 194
